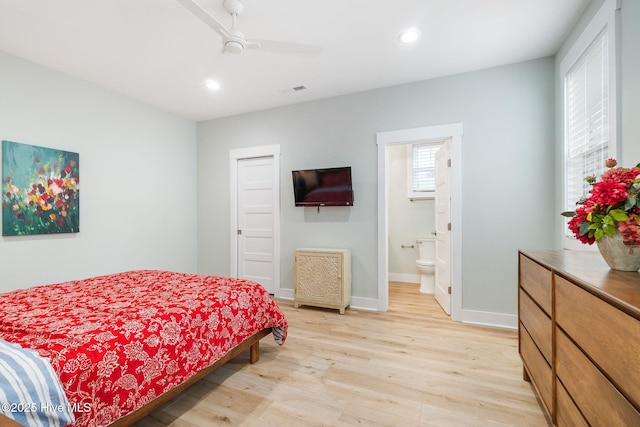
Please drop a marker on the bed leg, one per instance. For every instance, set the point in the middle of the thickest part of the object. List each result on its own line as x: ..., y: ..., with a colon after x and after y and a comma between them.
x: 254, y: 352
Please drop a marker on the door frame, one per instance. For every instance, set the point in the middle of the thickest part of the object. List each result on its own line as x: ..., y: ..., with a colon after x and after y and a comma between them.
x: 453, y: 132
x: 442, y: 204
x: 235, y: 156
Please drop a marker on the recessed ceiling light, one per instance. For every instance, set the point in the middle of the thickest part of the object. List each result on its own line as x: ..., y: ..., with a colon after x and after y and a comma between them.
x: 409, y: 35
x: 212, y: 84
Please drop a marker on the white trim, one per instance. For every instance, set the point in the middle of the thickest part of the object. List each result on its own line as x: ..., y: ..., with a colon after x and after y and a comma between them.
x: 485, y: 318
x: 361, y: 303
x: 472, y: 317
x: 357, y: 303
x: 607, y: 17
x: 404, y: 277
x: 249, y: 153
x: 454, y: 132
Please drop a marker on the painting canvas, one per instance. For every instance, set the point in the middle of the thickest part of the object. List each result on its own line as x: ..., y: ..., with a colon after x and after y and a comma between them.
x: 40, y: 190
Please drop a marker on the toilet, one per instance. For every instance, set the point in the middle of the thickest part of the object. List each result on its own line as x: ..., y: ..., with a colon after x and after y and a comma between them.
x: 426, y: 264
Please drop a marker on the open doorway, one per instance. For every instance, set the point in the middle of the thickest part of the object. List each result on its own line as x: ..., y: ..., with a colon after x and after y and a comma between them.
x: 452, y: 133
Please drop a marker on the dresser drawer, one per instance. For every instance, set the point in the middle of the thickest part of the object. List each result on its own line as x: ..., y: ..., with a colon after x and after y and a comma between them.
x: 538, y: 369
x: 536, y: 280
x: 537, y: 323
x: 601, y: 403
x: 567, y: 413
x: 610, y: 337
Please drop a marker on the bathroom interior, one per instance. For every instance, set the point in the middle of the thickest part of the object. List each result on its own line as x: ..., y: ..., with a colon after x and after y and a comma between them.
x: 411, y: 225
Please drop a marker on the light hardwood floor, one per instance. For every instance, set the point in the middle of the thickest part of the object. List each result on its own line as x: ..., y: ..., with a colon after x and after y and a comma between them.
x: 410, y: 366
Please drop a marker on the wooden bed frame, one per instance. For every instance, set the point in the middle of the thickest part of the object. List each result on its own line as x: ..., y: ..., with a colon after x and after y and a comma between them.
x: 252, y: 343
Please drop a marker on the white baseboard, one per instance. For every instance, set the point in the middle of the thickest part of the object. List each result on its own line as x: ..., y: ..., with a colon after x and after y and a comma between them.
x: 369, y: 304
x: 284, y: 293
x: 404, y: 277
x: 485, y: 318
x: 475, y: 317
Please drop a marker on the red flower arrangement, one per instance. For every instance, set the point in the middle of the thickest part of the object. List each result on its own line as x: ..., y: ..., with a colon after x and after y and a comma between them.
x: 612, y: 207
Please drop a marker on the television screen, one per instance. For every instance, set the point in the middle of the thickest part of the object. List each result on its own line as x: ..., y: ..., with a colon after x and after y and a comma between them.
x: 323, y: 187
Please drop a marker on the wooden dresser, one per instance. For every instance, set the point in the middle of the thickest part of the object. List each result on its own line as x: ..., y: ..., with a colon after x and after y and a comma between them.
x: 579, y: 337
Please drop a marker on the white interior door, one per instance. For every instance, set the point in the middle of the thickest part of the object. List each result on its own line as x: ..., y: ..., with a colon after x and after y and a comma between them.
x: 256, y: 187
x: 443, y: 221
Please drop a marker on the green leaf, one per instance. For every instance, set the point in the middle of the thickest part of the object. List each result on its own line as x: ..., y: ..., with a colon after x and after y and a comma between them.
x: 568, y: 214
x: 608, y: 219
x: 631, y: 202
x: 619, y: 215
x: 609, y: 230
x: 599, y: 234
x: 584, y: 228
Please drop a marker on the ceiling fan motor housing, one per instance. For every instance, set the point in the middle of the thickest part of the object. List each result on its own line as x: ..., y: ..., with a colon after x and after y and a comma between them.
x: 233, y: 46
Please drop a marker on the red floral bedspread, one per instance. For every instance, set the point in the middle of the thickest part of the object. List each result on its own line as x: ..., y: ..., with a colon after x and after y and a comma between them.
x: 119, y: 341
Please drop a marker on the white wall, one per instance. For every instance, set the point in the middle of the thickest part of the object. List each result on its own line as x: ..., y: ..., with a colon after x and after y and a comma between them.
x: 138, y: 181
x: 508, y: 184
x: 408, y: 219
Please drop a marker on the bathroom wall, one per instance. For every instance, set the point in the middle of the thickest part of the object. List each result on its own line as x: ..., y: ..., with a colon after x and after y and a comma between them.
x: 408, y: 219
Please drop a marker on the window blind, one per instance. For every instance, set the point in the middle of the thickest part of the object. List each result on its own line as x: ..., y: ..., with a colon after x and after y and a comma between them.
x: 586, y: 118
x: 424, y: 167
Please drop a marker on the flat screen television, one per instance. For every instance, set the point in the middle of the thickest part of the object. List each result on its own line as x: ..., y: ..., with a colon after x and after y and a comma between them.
x: 323, y: 187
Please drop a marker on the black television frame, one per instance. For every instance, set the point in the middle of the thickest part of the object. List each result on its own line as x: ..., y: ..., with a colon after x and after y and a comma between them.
x: 323, y: 195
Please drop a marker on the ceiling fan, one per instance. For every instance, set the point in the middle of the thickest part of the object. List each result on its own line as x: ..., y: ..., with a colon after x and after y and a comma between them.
x: 234, y: 41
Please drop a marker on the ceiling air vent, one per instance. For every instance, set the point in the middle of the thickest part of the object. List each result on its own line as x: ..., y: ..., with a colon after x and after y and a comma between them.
x: 294, y: 89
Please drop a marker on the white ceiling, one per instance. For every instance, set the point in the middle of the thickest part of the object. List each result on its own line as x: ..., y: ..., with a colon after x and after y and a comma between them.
x: 157, y: 52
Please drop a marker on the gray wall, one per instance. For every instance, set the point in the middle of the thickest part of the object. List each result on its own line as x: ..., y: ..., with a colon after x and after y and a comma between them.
x: 630, y: 81
x: 508, y: 119
x: 137, y: 179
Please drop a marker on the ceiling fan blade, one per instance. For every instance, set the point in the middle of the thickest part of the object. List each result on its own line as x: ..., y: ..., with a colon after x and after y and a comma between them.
x: 283, y: 47
x: 205, y: 17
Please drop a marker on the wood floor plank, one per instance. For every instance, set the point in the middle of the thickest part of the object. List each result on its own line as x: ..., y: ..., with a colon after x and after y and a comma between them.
x: 409, y: 366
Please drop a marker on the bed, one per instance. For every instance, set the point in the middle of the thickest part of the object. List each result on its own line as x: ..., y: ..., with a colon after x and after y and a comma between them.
x: 123, y: 344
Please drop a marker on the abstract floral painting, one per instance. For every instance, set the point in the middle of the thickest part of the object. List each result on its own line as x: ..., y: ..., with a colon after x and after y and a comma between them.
x: 40, y: 190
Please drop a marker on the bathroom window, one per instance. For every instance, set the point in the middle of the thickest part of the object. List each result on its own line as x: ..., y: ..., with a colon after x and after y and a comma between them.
x: 589, y: 103
x: 421, y: 177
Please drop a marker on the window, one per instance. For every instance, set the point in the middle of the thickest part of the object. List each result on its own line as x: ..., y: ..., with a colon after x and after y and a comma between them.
x: 587, y: 117
x: 422, y: 170
x: 589, y: 104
